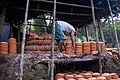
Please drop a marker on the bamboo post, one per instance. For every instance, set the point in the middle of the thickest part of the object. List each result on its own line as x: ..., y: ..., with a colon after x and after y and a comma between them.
x: 23, y: 41
x: 97, y: 38
x: 52, y: 51
x: 116, y: 36
x: 101, y: 32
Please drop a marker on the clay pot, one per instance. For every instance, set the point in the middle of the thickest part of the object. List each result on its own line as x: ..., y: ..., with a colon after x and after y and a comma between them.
x: 82, y: 79
x: 78, y: 44
x: 78, y: 49
x: 68, y: 50
x: 101, y: 47
x: 96, y: 74
x: 69, y: 44
x: 101, y: 78
x: 93, y: 78
x: 93, y: 46
x: 87, y: 75
x: 60, y: 79
x: 59, y: 75
x: 69, y: 77
x: 79, y: 76
x: 107, y: 75
x: 86, y: 47
x: 114, y: 75
x: 12, y: 46
x: 3, y: 48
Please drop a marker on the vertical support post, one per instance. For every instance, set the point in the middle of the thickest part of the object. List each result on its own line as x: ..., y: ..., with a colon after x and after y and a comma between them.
x: 116, y: 36
x: 101, y: 32
x: 23, y: 41
x: 96, y: 30
x: 86, y: 33
x: 53, y: 33
x: 2, y: 20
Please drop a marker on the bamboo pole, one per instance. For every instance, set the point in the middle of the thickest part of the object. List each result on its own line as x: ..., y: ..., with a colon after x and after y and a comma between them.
x: 53, y: 33
x: 23, y: 41
x: 97, y: 38
x: 101, y: 32
x: 116, y: 36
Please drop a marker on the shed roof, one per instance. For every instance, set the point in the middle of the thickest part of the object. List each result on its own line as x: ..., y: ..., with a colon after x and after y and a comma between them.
x: 72, y: 11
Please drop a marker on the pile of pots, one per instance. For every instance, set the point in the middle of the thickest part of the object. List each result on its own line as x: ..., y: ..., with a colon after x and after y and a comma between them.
x: 84, y: 75
x: 113, y: 52
x: 8, y: 47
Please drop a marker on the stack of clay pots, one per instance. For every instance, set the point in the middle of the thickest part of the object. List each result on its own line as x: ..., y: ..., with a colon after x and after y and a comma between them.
x: 3, y: 48
x: 86, y: 47
x: 92, y: 46
x: 101, y: 47
x: 12, y: 46
x: 78, y: 48
x: 68, y: 48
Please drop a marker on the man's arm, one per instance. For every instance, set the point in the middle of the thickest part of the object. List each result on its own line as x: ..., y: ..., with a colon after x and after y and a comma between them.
x: 73, y: 40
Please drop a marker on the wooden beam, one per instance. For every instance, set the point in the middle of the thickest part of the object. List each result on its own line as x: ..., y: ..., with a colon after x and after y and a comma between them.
x: 64, y: 13
x: 68, y: 4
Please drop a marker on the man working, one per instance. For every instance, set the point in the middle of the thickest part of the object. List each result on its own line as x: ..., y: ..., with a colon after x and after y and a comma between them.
x: 63, y: 28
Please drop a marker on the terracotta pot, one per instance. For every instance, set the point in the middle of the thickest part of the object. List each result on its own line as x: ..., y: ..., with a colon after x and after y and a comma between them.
x: 69, y: 76
x: 93, y: 78
x: 60, y: 79
x: 68, y: 43
x: 86, y: 47
x: 107, y: 75
x: 68, y: 50
x: 93, y: 46
x: 79, y: 76
x: 59, y: 75
x: 78, y: 49
x: 96, y: 74
x: 12, y: 46
x: 78, y: 44
x: 101, y: 78
x: 114, y: 76
x: 87, y: 75
x: 82, y: 79
x: 101, y: 47
x: 3, y: 48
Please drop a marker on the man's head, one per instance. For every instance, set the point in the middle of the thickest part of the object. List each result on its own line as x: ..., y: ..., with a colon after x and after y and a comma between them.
x: 76, y: 31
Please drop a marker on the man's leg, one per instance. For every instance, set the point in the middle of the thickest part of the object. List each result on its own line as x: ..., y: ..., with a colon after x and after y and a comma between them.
x: 60, y: 44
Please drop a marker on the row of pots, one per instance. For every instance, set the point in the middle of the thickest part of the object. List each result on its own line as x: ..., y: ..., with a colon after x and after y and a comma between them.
x: 39, y: 48
x: 84, y: 47
x: 76, y: 75
x: 40, y: 42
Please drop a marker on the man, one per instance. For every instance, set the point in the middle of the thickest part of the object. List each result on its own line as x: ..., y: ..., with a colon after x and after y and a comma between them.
x: 62, y: 29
